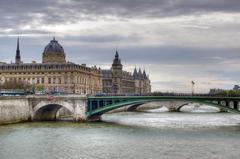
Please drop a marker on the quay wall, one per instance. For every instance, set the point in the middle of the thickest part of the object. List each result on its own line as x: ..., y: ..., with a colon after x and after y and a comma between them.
x: 14, y: 110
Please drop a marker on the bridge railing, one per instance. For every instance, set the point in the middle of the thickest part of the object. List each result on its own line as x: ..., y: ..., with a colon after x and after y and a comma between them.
x: 171, y: 94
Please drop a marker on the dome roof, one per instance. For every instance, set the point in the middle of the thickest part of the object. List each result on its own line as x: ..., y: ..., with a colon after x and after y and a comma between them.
x: 54, y: 47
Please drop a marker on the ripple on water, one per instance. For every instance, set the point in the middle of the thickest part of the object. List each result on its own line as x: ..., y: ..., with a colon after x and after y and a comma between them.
x: 144, y: 139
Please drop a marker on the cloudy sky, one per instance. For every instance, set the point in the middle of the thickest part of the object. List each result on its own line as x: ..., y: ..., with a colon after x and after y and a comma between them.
x: 176, y: 41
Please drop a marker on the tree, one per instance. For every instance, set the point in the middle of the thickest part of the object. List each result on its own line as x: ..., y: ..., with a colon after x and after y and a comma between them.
x: 15, y: 85
x: 39, y: 87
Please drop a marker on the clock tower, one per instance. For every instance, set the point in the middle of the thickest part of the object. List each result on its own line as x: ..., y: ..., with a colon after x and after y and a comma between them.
x: 117, y: 74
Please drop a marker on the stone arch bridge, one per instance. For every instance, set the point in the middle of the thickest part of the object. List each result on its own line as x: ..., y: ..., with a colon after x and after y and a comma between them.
x: 46, y: 107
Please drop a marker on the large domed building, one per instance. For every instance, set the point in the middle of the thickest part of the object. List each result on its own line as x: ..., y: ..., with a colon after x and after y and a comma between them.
x: 54, y: 74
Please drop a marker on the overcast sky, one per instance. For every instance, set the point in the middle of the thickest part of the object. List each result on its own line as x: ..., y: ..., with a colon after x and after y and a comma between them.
x: 176, y: 41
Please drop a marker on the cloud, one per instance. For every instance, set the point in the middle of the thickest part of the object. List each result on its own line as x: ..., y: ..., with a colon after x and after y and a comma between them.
x: 175, y: 40
x: 55, y: 12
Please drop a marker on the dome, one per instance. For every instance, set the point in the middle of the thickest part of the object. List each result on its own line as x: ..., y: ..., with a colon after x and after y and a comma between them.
x: 54, y: 47
x: 54, y: 53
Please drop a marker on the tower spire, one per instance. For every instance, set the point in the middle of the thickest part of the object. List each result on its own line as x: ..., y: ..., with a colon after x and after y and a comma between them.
x: 18, y: 55
x: 18, y: 44
x: 116, y: 55
x: 117, y: 60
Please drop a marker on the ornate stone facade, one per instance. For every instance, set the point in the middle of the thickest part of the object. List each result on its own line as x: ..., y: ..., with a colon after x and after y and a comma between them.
x: 54, y: 74
x: 118, y: 81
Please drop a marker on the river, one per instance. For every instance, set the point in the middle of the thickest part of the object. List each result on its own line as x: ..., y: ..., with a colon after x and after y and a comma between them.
x: 129, y: 135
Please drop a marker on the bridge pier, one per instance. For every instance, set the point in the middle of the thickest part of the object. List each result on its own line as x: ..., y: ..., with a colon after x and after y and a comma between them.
x: 174, y: 109
x: 235, y: 105
x: 94, y: 118
x: 80, y: 110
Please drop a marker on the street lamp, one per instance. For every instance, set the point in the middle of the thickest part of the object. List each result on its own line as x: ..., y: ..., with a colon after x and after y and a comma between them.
x: 193, y: 85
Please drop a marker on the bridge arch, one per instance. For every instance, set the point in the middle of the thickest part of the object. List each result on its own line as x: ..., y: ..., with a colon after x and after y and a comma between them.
x: 173, y: 106
x: 133, y: 105
x: 47, y: 110
x: 181, y: 106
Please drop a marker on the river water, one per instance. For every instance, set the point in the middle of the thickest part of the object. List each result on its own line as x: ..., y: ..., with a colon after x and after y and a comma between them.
x: 130, y: 135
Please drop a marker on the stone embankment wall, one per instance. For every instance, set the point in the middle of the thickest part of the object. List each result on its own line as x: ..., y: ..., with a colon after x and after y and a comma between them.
x: 14, y: 110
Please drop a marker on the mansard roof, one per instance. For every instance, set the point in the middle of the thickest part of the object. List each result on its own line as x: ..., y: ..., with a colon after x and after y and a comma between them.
x: 45, y: 66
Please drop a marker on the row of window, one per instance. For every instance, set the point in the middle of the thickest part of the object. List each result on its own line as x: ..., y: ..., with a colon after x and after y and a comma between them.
x: 43, y: 67
x: 54, y: 80
x: 79, y: 90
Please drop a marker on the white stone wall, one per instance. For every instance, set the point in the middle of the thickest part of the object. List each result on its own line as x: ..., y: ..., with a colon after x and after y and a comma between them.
x: 13, y: 111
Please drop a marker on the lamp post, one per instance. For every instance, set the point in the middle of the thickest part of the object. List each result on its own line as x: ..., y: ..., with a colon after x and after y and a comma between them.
x: 1, y: 82
x: 193, y: 85
x: 33, y: 86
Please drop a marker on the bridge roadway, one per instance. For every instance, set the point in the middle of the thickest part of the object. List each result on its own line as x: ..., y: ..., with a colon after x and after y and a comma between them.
x: 91, y: 108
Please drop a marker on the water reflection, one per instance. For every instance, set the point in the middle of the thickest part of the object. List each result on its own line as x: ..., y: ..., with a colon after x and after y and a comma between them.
x: 174, y: 120
x: 196, y: 108
x: 139, y: 135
